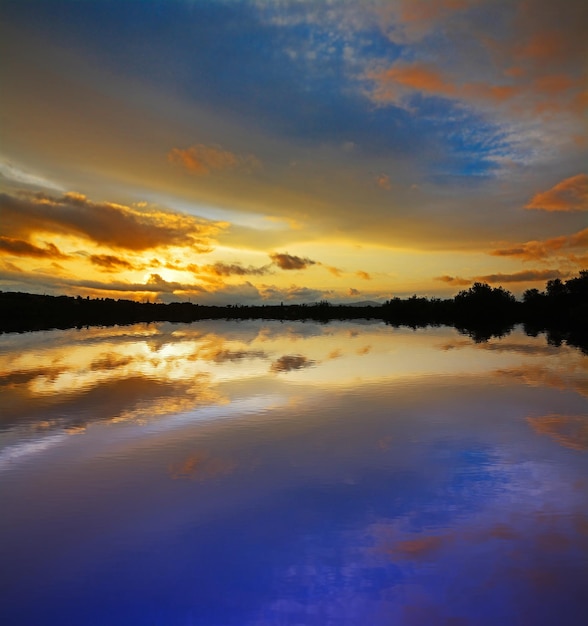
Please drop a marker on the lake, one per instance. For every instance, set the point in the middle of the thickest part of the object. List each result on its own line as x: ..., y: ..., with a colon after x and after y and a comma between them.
x: 264, y: 473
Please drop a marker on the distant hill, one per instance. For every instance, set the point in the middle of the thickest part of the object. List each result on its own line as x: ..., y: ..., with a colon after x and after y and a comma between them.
x: 363, y: 303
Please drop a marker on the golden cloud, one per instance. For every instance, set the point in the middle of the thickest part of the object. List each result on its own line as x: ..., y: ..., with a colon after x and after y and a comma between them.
x: 104, y: 223
x: 363, y: 275
x: 334, y: 270
x: 287, y: 261
x: 202, y: 160
x: 570, y: 194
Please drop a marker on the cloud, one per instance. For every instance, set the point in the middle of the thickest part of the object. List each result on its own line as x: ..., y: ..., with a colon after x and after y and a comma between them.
x: 392, y: 83
x: 334, y: 270
x: 515, y: 277
x: 353, y: 292
x: 290, y: 362
x: 517, y: 63
x: 202, y: 466
x: 383, y: 182
x: 363, y: 275
x: 453, y: 280
x: 534, y: 250
x: 104, y: 223
x: 523, y: 276
x: 570, y: 431
x: 11, y: 172
x: 287, y: 261
x: 110, y: 263
x: 231, y: 269
x: 18, y: 247
x: 570, y: 194
x: 202, y: 160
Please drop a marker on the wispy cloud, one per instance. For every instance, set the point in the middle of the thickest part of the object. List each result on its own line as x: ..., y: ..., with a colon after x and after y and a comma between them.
x: 201, y: 159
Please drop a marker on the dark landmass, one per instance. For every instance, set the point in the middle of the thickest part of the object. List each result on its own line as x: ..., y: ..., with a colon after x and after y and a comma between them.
x: 482, y: 312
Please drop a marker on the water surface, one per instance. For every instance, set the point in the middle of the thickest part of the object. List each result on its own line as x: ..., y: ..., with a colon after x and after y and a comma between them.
x: 254, y: 473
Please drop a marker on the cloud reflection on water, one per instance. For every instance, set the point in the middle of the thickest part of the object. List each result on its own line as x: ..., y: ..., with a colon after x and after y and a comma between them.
x: 406, y: 484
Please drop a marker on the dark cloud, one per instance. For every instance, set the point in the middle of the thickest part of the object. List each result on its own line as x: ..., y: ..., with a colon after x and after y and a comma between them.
x: 18, y: 247
x: 290, y: 362
x: 231, y: 269
x: 110, y: 262
x: 287, y: 261
x: 523, y: 276
x: 104, y: 223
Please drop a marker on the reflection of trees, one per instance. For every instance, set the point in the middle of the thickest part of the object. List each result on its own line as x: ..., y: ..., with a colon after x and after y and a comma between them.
x: 481, y: 311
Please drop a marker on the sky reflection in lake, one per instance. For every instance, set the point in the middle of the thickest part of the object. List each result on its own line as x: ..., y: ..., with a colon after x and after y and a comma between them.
x: 254, y: 473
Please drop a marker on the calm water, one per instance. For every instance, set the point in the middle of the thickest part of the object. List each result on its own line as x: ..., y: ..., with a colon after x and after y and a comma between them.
x: 249, y: 474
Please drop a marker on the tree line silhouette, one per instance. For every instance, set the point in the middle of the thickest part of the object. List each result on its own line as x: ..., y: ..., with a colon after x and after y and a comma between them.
x: 481, y: 311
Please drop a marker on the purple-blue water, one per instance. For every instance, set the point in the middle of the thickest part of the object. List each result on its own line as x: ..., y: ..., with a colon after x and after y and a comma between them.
x: 249, y: 474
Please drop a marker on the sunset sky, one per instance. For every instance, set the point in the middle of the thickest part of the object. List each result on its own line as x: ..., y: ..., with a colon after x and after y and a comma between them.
x: 291, y: 150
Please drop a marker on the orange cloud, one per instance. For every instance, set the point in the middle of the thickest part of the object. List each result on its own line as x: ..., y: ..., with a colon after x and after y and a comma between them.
x: 543, y: 46
x: 383, y: 181
x: 534, y: 250
x: 430, y: 10
x: 570, y: 194
x: 202, y: 466
x: 287, y: 261
x: 201, y: 159
x: 416, y: 76
x: 363, y: 275
x: 104, y: 223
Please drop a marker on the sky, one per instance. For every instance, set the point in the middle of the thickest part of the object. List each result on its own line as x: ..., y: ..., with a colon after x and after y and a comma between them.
x: 245, y: 152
